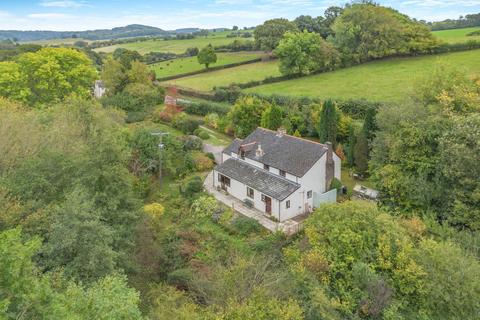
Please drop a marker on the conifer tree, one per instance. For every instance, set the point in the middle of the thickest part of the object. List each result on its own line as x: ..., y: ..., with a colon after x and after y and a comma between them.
x: 327, y: 126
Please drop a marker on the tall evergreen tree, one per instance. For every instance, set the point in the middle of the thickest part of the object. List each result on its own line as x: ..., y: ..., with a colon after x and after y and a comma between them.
x: 370, y: 124
x: 352, y: 139
x: 361, y: 153
x: 327, y: 126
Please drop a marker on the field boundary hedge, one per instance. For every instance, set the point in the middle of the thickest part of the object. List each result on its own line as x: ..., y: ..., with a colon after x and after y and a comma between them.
x: 225, y: 66
x: 441, y: 49
x: 231, y: 91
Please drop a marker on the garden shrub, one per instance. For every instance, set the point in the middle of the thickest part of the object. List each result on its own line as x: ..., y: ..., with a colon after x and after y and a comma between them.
x: 245, y: 226
x: 335, y: 184
x: 203, y: 108
x: 210, y: 156
x: 230, y: 94
x: 184, y: 124
x: 202, y: 162
x: 212, y: 120
x: 192, y: 186
x: 135, y: 116
x: 226, y: 218
x: 155, y: 210
x: 180, y: 278
x: 204, y: 135
x: 204, y: 206
x: 192, y: 143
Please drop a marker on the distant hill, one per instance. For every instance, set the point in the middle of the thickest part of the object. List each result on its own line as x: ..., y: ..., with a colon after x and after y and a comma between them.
x: 186, y: 30
x: 134, y: 30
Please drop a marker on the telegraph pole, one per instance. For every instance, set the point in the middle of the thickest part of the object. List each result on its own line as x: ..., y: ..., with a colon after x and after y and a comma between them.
x: 161, y: 146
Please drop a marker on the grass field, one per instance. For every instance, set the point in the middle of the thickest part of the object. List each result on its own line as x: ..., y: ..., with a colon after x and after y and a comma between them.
x: 387, y: 80
x: 57, y: 42
x: 456, y: 35
x: 174, y: 46
x: 241, y: 74
x: 190, y: 64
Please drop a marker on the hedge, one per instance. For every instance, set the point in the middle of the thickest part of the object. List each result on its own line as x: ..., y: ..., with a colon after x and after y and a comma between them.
x: 355, y: 108
x: 203, y: 108
x: 441, y: 48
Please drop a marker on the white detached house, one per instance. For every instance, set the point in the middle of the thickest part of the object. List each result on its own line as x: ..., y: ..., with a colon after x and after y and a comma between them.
x: 281, y: 175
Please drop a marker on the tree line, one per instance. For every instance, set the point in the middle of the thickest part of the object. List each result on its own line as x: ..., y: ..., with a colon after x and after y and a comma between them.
x: 356, y: 33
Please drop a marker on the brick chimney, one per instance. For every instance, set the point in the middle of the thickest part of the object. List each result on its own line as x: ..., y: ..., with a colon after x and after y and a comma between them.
x: 329, y: 166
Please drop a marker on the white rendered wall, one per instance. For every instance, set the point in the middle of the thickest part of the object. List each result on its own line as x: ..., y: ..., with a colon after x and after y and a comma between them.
x: 298, y: 201
x: 314, y: 179
x: 239, y: 191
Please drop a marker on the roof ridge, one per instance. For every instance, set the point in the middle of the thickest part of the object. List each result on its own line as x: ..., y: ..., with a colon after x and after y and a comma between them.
x: 299, y: 138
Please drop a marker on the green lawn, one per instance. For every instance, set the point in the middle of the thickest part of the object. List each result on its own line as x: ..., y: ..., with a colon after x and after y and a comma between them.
x: 240, y: 74
x: 217, y: 138
x: 174, y: 46
x: 456, y: 35
x: 190, y: 64
x: 386, y: 80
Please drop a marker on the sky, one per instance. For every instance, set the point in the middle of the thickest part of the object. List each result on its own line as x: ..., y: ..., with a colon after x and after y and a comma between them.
x: 75, y: 15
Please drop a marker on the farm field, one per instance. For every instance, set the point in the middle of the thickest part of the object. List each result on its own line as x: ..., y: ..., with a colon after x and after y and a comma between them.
x: 456, y: 35
x: 388, y: 80
x: 56, y: 42
x: 174, y: 46
x: 240, y: 74
x: 190, y: 64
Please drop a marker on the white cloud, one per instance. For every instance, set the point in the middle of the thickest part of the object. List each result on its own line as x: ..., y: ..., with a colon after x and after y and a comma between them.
x: 63, y: 4
x: 4, y: 14
x: 48, y: 16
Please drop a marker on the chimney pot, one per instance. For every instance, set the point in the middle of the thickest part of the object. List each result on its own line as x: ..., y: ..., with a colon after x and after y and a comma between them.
x: 281, y: 132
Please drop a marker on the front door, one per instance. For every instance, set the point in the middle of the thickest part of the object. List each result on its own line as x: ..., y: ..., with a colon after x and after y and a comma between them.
x: 268, y: 205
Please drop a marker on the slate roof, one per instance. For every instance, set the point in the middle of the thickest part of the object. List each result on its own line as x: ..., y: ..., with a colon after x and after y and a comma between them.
x: 268, y: 183
x: 233, y: 147
x: 288, y: 153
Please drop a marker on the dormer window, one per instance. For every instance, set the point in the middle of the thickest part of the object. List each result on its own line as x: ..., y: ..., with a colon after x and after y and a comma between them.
x: 266, y: 167
x: 283, y: 173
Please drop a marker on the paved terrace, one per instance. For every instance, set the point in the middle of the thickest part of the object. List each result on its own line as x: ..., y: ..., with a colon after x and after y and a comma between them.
x: 289, y: 227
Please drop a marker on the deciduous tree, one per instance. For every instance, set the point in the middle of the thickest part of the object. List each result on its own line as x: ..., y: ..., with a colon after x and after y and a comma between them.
x: 305, y: 52
x: 207, y: 56
x: 246, y: 114
x: 269, y: 34
x: 272, y: 117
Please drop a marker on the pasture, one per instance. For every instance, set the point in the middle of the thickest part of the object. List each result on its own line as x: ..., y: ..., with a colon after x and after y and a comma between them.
x: 57, y: 42
x: 240, y: 74
x: 190, y: 64
x: 386, y: 80
x: 174, y: 46
x: 457, y: 35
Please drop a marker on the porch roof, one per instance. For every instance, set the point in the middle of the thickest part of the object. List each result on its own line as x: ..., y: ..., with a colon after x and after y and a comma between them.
x: 256, y: 178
